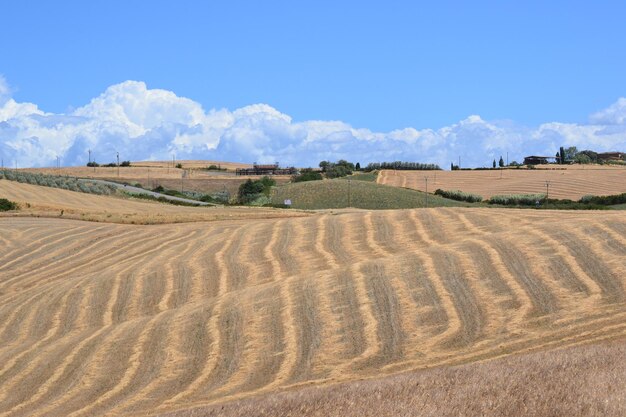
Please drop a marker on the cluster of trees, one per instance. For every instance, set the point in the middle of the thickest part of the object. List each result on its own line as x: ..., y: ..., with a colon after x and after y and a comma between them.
x: 501, y: 163
x: 338, y: 169
x: 399, y: 165
x: 572, y: 154
x: 109, y: 165
x: 251, y: 190
x: 307, y: 174
x: 65, y: 183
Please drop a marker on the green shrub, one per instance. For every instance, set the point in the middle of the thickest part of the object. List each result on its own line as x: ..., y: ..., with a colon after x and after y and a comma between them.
x: 459, y: 195
x: 517, y: 199
x: 6, y: 205
x: 307, y: 175
x: 606, y: 200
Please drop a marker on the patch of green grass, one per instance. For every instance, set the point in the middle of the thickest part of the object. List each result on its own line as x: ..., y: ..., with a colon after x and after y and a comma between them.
x: 363, y: 176
x: 618, y: 207
x: 339, y: 193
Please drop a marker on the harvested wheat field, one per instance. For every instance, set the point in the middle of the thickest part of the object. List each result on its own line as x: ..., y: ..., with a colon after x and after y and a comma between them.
x: 576, y: 381
x: 120, y: 319
x: 37, y: 200
x: 571, y: 181
x: 152, y: 174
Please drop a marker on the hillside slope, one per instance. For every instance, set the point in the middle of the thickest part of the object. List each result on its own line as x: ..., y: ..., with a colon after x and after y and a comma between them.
x: 341, y: 193
x: 572, y: 182
x: 109, y: 319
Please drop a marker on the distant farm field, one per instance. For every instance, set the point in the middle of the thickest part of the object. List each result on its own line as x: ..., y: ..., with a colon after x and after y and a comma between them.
x: 151, y: 174
x: 571, y: 181
x: 125, y: 320
x: 341, y: 193
x: 45, y: 201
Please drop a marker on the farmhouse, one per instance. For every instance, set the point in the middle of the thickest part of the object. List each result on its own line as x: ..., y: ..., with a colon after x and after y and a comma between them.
x: 538, y: 160
x: 611, y: 156
x: 272, y: 169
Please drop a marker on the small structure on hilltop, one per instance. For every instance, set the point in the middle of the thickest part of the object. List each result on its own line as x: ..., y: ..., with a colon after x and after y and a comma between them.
x: 539, y: 160
x: 272, y: 169
x: 611, y: 156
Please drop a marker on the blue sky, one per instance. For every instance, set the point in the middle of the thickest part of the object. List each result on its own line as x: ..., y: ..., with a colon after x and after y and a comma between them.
x: 380, y: 66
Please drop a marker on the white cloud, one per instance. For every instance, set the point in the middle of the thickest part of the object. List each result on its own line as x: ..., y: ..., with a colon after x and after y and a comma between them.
x: 615, y: 114
x: 144, y: 123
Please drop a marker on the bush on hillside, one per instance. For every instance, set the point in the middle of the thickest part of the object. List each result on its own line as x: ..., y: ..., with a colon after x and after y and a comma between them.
x: 307, y: 175
x: 459, y: 195
x: 517, y: 199
x: 606, y: 200
x: 252, y: 190
x: 6, y: 205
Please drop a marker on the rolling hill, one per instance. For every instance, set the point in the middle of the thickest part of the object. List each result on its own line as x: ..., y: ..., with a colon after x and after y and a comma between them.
x: 122, y: 319
x: 341, y: 193
x: 570, y: 181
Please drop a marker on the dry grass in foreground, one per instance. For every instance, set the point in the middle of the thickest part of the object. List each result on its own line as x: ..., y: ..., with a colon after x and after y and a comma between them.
x: 574, y: 382
x: 127, y: 320
x: 571, y: 182
x: 38, y: 201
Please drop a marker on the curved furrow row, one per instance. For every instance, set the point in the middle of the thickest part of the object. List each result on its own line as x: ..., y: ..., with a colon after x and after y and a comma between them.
x: 348, y: 315
x: 265, y: 347
x: 92, y: 369
x: 331, y: 240
x: 368, y: 332
x: 147, y: 356
x: 305, y: 247
x: 560, y: 263
x: 192, y: 344
x: 595, y: 262
x: 17, y: 327
x: 468, y: 310
x: 284, y: 261
x: 234, y: 262
x: 40, y: 245
x: 357, y: 238
x: 45, y: 373
x: 85, y: 257
x: 57, y: 262
x: 15, y: 355
x: 613, y: 240
x: 227, y: 355
x: 197, y: 263
x: 177, y: 279
x: 224, y: 312
x: 390, y: 336
x: 544, y: 302
x: 430, y: 318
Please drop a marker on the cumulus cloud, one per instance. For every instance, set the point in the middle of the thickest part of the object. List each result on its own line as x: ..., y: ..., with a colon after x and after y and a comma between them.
x: 143, y: 123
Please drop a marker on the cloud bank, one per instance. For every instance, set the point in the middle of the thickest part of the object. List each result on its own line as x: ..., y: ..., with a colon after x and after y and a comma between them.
x: 153, y: 124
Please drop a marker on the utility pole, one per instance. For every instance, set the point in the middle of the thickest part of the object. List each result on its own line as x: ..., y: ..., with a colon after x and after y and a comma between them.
x: 507, y: 158
x: 459, y: 161
x: 349, y: 194
x: 547, y: 189
x: 58, y: 163
x: 426, y: 181
x: 118, y: 165
x: 89, y: 150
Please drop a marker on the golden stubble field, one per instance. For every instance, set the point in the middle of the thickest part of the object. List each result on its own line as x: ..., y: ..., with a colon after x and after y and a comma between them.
x: 571, y: 181
x: 122, y: 319
x: 37, y: 201
x: 151, y: 174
